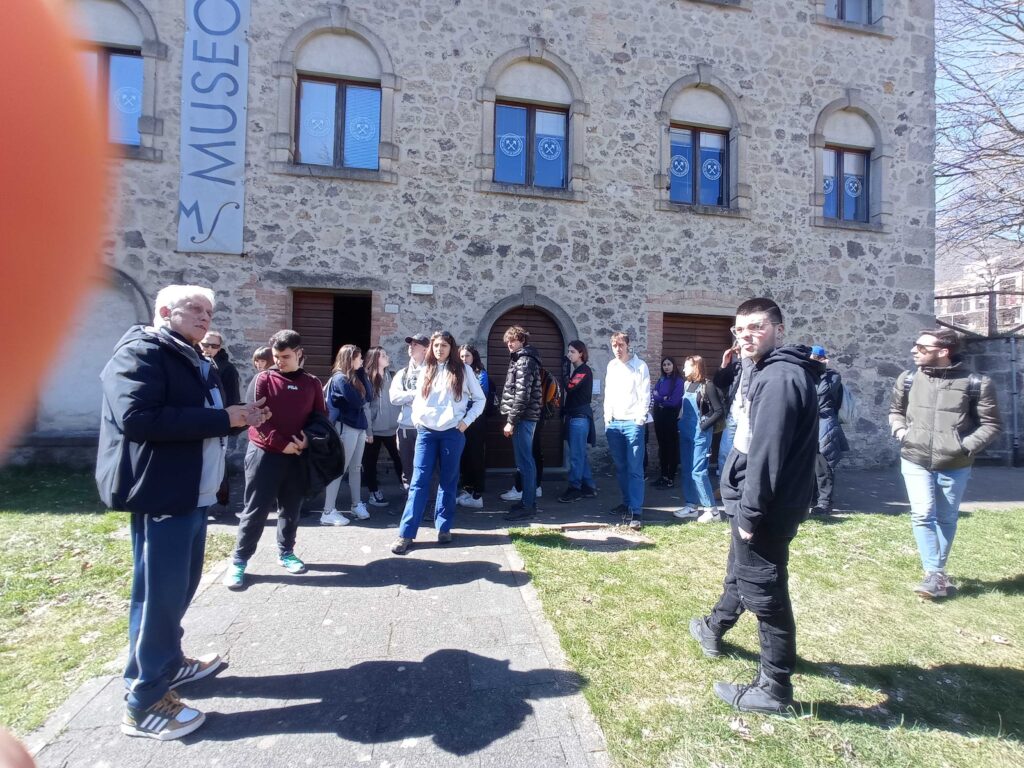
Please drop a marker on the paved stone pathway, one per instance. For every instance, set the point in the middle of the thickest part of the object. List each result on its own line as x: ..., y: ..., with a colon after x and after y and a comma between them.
x: 438, y: 658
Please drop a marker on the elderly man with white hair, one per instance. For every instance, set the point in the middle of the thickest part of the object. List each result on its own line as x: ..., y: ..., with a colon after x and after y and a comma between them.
x: 161, y: 457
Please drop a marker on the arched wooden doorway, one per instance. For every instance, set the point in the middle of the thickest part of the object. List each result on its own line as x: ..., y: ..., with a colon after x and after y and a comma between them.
x: 546, y: 337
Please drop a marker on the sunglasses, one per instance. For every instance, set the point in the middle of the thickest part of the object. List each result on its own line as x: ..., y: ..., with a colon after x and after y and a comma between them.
x: 208, y: 345
x: 922, y: 348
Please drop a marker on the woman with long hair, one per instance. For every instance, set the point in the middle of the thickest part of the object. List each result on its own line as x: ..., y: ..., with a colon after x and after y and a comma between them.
x: 667, y: 399
x: 383, y: 423
x: 701, y: 409
x: 578, y: 422
x: 474, y: 464
x: 348, y: 397
x: 446, y: 403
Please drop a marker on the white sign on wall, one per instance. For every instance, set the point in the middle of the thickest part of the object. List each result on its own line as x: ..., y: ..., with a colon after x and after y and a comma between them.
x: 215, y: 74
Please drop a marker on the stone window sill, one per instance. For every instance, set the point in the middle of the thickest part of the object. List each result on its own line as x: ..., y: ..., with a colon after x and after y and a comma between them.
x: 132, y: 152
x: 860, y: 226
x: 877, y: 29
x: 702, y: 210
x: 742, y: 5
x: 325, y: 172
x: 519, y: 190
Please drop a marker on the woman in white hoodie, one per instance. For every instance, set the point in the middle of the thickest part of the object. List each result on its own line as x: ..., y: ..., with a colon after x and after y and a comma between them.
x: 447, y: 402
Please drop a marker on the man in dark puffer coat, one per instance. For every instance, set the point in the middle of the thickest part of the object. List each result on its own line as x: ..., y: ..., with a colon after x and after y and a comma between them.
x: 832, y: 443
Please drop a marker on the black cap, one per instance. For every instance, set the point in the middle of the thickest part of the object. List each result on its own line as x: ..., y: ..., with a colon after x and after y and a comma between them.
x: 418, y: 338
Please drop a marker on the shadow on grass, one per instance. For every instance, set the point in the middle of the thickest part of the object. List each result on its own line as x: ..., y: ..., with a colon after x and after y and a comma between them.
x: 1011, y: 585
x: 965, y: 699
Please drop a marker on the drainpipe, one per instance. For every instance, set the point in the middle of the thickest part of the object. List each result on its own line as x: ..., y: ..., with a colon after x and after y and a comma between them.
x: 1014, y: 409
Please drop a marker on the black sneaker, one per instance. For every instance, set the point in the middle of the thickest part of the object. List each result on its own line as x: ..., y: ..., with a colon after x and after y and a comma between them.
x: 571, y: 494
x: 708, y: 641
x: 669, y: 483
x: 168, y: 719
x: 520, y: 512
x: 620, y: 510
x: 659, y: 483
x: 444, y: 537
x: 762, y: 695
x: 588, y: 492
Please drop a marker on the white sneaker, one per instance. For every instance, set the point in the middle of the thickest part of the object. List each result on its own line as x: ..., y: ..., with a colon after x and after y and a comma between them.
x: 462, y: 497
x: 471, y: 503
x: 334, y: 517
x: 708, y: 515
x: 512, y: 495
x: 360, y: 512
x: 377, y: 499
x: 685, y: 513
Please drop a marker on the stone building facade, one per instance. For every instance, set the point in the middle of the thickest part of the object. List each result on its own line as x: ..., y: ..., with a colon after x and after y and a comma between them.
x: 431, y: 238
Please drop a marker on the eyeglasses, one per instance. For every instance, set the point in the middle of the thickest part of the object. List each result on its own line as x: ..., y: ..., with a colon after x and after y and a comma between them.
x: 208, y: 345
x: 754, y: 329
x: 922, y: 348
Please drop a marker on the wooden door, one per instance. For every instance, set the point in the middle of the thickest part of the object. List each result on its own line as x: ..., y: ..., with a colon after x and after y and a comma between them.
x: 546, y: 337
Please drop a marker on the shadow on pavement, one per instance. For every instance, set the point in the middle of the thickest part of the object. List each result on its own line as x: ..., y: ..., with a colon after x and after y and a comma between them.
x: 461, y: 700
x: 409, y: 572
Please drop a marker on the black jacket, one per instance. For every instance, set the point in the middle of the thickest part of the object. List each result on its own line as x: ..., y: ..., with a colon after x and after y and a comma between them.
x: 229, y: 378
x: 709, y: 403
x: 521, y: 397
x: 769, y: 489
x: 727, y: 380
x: 325, y: 457
x: 153, y: 423
x: 579, y: 391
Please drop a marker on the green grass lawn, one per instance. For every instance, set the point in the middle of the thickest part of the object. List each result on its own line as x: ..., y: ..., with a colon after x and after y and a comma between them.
x: 884, y: 678
x: 65, y: 576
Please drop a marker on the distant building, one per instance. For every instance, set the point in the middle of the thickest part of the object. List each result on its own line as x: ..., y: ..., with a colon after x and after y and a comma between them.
x: 972, y: 312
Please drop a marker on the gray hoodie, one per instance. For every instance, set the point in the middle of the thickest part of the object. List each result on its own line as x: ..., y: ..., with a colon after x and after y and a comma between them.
x: 384, y: 414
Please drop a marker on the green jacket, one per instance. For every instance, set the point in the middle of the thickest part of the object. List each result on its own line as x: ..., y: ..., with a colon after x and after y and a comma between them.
x: 943, y: 430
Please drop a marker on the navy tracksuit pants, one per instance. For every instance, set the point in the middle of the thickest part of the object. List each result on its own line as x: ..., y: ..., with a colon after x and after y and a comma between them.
x: 167, y: 551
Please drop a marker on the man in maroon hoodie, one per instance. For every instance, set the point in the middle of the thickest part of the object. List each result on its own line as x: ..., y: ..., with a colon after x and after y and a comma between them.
x: 274, y: 476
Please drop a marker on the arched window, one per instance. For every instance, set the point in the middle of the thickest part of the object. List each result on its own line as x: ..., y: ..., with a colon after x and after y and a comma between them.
x: 336, y: 101
x: 703, y: 139
x: 533, y: 126
x: 851, y: 167
x: 120, y: 64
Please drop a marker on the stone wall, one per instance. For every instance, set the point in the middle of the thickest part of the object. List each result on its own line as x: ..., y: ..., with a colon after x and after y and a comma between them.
x: 612, y: 257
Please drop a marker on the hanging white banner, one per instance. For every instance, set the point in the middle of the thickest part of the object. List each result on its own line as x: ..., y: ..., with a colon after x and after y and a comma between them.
x: 214, y: 79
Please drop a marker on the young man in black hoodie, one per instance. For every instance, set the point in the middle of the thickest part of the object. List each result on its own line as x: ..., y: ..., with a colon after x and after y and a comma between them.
x: 767, y: 483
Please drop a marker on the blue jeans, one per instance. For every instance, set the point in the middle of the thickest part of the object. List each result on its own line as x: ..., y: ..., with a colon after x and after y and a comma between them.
x: 934, y: 497
x: 433, y: 447
x: 167, y: 553
x: 579, y: 462
x: 522, y: 447
x: 728, y: 437
x: 626, y: 445
x: 694, y: 445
